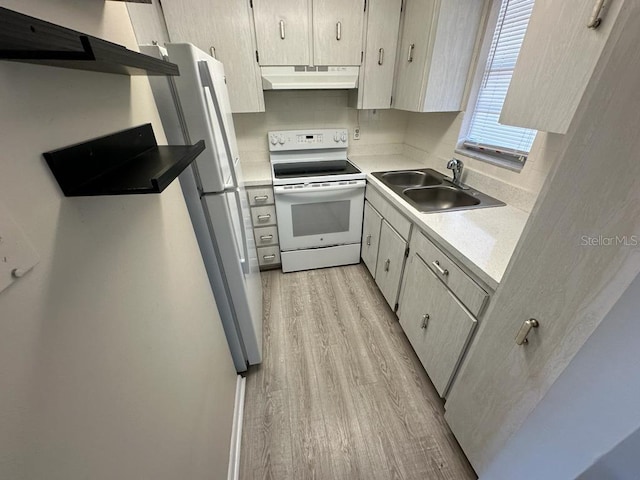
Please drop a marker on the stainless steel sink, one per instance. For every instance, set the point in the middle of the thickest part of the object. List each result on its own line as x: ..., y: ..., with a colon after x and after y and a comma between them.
x: 411, y: 178
x: 430, y: 191
x: 440, y: 198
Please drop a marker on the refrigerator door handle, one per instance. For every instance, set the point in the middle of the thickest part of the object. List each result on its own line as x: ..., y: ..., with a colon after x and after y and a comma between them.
x: 207, y: 83
x: 244, y: 261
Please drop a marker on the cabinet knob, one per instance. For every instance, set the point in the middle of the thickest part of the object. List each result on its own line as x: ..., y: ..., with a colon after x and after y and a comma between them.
x: 425, y: 320
x: 381, y: 56
x: 368, y: 240
x: 387, y: 262
x: 521, y: 337
x: 338, y: 31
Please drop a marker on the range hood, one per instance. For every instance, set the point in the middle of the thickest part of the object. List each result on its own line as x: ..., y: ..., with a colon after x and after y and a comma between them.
x: 301, y: 77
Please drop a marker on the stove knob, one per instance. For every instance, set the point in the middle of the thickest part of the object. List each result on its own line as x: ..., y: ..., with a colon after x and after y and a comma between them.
x: 336, y: 137
x: 281, y: 140
x: 344, y: 137
x: 274, y: 140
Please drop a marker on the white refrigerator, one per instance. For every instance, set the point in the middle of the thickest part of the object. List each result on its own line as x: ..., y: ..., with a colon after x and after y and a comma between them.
x: 195, y: 106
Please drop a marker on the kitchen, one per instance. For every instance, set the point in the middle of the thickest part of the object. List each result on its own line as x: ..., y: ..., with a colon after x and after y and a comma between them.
x: 108, y: 349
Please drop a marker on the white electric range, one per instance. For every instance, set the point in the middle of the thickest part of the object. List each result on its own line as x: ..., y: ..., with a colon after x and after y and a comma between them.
x: 319, y: 197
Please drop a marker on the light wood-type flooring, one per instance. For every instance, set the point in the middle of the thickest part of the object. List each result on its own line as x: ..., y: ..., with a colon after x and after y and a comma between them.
x: 341, y: 394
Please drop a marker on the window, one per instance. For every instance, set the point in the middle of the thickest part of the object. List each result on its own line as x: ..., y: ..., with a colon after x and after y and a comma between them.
x: 508, y: 144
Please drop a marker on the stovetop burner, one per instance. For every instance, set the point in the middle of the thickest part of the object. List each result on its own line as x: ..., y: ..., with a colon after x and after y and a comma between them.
x: 314, y: 169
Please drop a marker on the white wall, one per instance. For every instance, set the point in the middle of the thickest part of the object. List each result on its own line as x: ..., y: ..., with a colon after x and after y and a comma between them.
x: 112, y: 361
x: 380, y: 132
x: 621, y: 463
x: 431, y: 139
x: 592, y: 406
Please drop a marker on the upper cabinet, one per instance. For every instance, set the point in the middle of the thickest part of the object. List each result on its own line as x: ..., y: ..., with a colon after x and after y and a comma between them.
x: 556, y: 63
x: 337, y: 32
x: 438, y: 39
x: 376, y: 82
x: 282, y: 31
x: 225, y: 29
x: 318, y: 32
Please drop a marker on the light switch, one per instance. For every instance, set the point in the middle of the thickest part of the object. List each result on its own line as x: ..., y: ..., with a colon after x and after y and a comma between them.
x: 17, y: 255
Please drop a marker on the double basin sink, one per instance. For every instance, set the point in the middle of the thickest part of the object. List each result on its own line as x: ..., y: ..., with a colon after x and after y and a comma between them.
x: 429, y: 191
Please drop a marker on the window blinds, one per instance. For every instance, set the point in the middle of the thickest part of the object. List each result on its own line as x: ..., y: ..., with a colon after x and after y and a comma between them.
x: 485, y: 133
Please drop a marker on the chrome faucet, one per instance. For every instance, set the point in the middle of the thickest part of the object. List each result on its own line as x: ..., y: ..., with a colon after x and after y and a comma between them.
x: 456, y: 167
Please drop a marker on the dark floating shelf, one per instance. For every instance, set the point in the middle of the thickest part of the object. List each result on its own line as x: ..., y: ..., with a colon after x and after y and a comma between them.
x: 31, y: 40
x: 123, y: 163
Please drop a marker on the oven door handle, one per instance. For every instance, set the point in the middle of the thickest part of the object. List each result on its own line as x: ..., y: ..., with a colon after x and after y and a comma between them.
x: 281, y: 190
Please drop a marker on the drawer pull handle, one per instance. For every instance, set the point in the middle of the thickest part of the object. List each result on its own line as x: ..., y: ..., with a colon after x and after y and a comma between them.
x: 521, y: 337
x: 265, y: 238
x: 441, y: 271
x: 261, y: 198
x: 264, y: 218
x: 386, y: 265
x: 595, y: 20
x: 267, y: 258
x: 425, y: 320
x: 368, y: 240
x: 410, y: 56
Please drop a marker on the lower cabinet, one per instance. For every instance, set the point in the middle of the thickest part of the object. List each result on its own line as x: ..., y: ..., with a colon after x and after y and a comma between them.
x: 385, y: 235
x: 370, y: 237
x: 435, y: 322
x: 390, y: 263
x: 437, y: 300
x: 265, y: 226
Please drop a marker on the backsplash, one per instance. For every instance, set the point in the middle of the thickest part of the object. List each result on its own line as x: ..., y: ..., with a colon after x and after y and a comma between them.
x: 428, y: 138
x: 381, y: 131
x: 431, y: 139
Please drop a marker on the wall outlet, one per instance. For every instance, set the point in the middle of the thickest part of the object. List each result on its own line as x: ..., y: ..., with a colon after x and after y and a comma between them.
x: 356, y: 133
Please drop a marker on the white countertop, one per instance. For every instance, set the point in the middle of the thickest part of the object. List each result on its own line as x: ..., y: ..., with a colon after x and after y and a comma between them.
x: 256, y: 173
x: 482, y: 240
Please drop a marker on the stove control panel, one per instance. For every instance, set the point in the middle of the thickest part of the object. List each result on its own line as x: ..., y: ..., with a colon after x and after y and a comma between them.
x: 324, y: 138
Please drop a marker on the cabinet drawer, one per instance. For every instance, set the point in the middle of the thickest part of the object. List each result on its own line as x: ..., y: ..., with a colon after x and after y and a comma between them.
x: 435, y: 322
x: 268, y: 256
x: 266, y: 236
x: 260, y: 196
x: 263, y: 216
x: 388, y: 212
x: 467, y: 290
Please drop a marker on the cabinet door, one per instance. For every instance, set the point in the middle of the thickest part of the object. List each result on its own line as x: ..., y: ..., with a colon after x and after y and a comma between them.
x: 413, y: 53
x: 223, y: 25
x: 282, y: 31
x: 380, y: 53
x: 337, y: 32
x: 390, y: 262
x: 435, y: 322
x: 370, y: 237
x: 556, y: 62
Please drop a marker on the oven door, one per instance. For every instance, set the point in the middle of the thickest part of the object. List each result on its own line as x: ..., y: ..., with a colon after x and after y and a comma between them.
x: 319, y: 214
